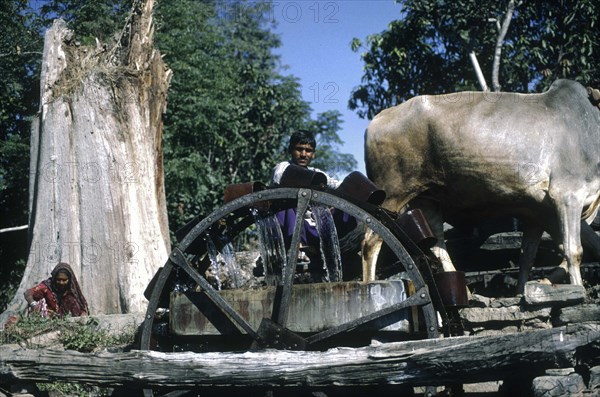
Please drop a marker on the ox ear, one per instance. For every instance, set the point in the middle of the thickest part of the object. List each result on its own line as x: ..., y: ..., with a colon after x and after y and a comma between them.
x: 594, y: 94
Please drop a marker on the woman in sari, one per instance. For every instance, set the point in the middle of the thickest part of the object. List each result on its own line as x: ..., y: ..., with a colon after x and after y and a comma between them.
x: 59, y: 295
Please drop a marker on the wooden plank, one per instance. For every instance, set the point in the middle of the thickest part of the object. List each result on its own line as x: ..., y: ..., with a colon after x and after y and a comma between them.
x: 425, y: 362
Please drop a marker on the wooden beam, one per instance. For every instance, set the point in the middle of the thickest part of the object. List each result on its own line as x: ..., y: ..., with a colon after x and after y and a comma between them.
x: 424, y: 362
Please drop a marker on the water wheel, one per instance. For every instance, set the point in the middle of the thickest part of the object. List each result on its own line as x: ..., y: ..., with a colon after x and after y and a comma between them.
x: 188, y: 260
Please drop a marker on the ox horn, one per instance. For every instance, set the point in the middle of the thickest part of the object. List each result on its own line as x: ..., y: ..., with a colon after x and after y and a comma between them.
x: 594, y: 93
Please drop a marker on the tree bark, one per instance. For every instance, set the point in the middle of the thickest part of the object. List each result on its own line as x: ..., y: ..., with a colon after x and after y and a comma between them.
x: 97, y: 197
x: 500, y: 40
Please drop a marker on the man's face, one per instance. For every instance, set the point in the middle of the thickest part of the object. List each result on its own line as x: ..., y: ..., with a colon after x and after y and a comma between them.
x: 302, y: 154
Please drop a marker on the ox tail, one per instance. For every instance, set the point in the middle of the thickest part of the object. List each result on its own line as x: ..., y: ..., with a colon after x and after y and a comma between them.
x: 591, y: 211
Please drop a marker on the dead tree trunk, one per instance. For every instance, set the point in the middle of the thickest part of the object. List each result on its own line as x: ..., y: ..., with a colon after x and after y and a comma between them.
x: 97, y: 197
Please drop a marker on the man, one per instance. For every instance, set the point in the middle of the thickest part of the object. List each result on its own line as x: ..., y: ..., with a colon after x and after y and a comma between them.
x: 301, y: 148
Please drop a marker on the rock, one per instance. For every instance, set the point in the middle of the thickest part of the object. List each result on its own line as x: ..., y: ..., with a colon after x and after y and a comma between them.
x: 477, y: 300
x: 502, y: 314
x: 116, y: 324
x: 505, y: 302
x: 496, y: 332
x: 558, y: 386
x: 594, y: 378
x: 503, y: 241
x: 537, y: 323
x: 537, y: 293
x: 48, y: 340
x: 577, y: 314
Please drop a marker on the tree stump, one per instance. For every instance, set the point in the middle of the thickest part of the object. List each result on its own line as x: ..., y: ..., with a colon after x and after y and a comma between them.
x: 97, y: 198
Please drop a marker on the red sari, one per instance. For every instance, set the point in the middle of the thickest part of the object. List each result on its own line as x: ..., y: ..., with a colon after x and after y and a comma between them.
x: 52, y: 302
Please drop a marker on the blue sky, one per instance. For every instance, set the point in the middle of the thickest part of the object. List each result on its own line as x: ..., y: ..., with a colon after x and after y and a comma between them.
x: 316, y: 38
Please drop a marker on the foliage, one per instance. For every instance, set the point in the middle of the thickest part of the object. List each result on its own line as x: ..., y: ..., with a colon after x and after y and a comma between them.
x: 20, y: 55
x: 230, y: 110
x: 88, y: 19
x: 426, y: 50
x: 80, y: 334
x: 11, y: 275
x: 73, y: 389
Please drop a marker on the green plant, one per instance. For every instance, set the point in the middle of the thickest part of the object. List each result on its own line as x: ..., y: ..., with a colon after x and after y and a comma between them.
x: 83, y: 337
x: 73, y: 389
x: 80, y: 334
x: 75, y: 333
x: 28, y: 327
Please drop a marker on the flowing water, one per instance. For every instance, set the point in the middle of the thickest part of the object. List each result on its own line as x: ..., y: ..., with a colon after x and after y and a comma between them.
x: 330, y: 246
x: 232, y: 269
x: 272, y: 247
x: 213, y: 256
x: 227, y: 256
x: 272, y: 250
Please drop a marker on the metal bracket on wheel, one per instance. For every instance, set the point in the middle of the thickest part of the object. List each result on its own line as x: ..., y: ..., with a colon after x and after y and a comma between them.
x: 178, y: 257
x: 274, y: 336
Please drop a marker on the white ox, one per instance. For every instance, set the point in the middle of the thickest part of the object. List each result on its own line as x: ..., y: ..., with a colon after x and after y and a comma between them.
x: 475, y: 155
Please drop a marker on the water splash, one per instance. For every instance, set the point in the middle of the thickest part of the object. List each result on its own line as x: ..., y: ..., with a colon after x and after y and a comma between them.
x: 231, y: 267
x: 272, y: 247
x: 213, y: 256
x: 182, y: 284
x: 330, y: 246
x: 227, y: 256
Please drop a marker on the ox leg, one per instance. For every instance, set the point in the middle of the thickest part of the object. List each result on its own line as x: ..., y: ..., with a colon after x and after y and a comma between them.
x: 371, y: 246
x: 433, y: 213
x: 439, y: 250
x: 569, y: 216
x: 532, y: 235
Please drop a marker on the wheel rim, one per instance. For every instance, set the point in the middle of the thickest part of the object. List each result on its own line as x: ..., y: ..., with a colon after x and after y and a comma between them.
x: 301, y: 198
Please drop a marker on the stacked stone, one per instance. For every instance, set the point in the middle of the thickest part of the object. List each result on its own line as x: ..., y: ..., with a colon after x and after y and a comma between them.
x: 541, y: 306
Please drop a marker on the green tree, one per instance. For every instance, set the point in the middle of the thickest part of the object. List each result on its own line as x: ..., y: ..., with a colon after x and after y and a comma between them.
x: 328, y: 156
x: 426, y: 51
x: 89, y: 19
x: 230, y: 109
x: 20, y: 55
